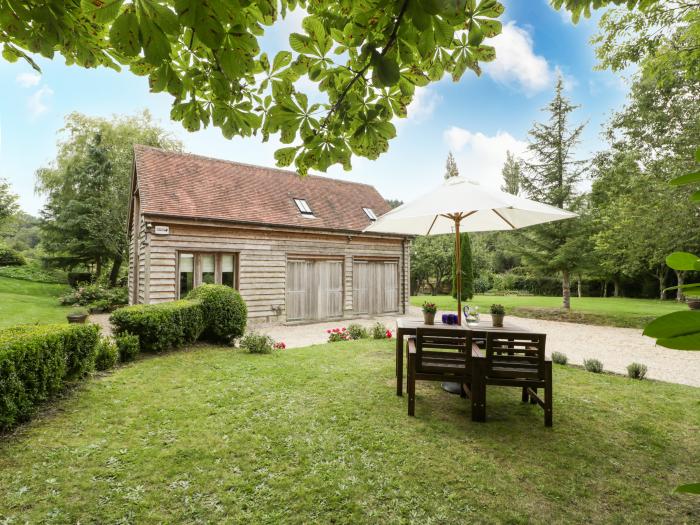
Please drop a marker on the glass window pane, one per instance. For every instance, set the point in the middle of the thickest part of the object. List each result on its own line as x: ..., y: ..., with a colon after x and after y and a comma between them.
x: 228, y: 276
x: 186, y: 273
x: 207, y: 262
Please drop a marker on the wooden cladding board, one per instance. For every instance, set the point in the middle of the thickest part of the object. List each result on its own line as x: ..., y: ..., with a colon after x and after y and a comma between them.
x: 269, y: 281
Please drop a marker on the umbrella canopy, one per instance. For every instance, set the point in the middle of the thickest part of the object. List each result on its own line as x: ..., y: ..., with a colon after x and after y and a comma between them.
x: 460, y: 204
x: 483, y: 209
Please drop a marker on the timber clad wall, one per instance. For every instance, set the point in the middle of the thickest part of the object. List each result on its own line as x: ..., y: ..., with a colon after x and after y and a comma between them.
x: 270, y: 260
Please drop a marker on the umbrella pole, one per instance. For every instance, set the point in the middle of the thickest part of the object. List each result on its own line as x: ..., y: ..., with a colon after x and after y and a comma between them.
x: 458, y: 269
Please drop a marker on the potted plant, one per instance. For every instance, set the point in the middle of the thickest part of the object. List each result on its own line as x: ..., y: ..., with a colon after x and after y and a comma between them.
x: 429, y: 310
x: 498, y: 312
x: 78, y: 315
x: 693, y: 302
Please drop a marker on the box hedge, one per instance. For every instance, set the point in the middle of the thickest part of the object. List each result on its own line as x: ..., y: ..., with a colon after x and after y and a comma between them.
x: 37, y: 361
x: 224, y: 309
x: 161, y: 326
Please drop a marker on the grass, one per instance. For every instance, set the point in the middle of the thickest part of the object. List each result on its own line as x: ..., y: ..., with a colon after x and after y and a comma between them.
x: 27, y: 302
x: 608, y: 311
x: 317, y: 435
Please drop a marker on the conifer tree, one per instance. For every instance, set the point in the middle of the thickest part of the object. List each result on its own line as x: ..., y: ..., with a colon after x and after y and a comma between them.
x: 451, y: 167
x: 511, y: 174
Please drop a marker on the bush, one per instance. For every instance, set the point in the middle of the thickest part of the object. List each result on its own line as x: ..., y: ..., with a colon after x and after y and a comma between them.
x: 128, y: 346
x: 10, y: 257
x: 357, y: 331
x: 161, y: 326
x: 97, y: 296
x: 559, y: 358
x: 379, y: 331
x: 33, y: 272
x: 224, y: 309
x: 336, y: 335
x: 255, y: 343
x: 78, y: 278
x: 37, y: 361
x: 107, y: 355
x: 637, y: 371
x: 593, y: 365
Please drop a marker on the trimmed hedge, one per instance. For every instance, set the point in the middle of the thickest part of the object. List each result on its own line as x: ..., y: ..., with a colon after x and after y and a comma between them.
x: 37, y: 361
x: 224, y: 309
x: 161, y: 326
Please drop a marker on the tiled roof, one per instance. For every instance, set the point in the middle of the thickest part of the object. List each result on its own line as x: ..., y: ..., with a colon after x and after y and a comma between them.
x: 191, y: 186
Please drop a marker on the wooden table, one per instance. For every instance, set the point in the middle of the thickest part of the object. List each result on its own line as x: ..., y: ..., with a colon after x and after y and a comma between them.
x: 407, y: 327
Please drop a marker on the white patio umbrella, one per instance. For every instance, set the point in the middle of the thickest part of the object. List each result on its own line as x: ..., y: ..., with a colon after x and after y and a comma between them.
x: 463, y: 205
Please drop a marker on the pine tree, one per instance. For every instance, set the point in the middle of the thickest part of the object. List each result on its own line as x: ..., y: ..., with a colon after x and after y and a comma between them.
x: 451, y: 167
x: 511, y: 174
x: 467, y: 269
x: 550, y: 175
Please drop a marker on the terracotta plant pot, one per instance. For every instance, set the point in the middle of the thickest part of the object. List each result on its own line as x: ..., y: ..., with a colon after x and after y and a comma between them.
x: 694, y: 304
x: 429, y: 317
x: 497, y: 320
x: 79, y: 319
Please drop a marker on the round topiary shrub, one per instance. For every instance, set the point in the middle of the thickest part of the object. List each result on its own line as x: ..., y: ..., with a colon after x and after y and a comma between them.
x: 224, y: 310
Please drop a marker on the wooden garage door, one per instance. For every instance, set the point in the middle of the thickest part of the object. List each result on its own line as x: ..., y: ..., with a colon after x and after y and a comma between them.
x: 375, y: 287
x: 314, y: 290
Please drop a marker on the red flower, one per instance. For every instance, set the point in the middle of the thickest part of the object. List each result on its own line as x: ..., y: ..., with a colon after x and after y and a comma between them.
x: 388, y: 334
x: 328, y: 331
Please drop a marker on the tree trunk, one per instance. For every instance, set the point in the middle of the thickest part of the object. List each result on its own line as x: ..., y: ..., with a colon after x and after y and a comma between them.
x: 662, y: 284
x: 98, y: 268
x: 566, y: 289
x: 578, y: 287
x: 114, y: 274
x: 680, y: 275
x: 616, y: 290
x: 605, y: 288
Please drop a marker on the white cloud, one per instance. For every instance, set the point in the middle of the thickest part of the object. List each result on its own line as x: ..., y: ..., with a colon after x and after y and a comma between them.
x: 28, y: 79
x: 480, y: 157
x: 516, y: 61
x: 37, y: 102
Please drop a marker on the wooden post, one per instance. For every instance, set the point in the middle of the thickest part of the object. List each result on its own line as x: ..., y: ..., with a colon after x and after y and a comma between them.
x: 458, y: 269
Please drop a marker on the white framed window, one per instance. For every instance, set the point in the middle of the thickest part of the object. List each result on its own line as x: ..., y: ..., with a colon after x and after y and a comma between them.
x: 304, y: 207
x: 370, y: 213
x: 195, y: 269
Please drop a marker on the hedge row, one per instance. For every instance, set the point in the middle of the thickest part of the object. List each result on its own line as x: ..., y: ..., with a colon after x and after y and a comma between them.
x: 161, y: 326
x: 215, y: 312
x: 37, y: 361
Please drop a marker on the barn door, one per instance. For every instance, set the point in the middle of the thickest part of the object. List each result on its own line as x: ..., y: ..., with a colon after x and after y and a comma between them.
x: 375, y: 287
x: 314, y: 290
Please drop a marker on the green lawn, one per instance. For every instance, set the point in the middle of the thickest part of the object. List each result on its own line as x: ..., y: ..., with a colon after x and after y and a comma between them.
x: 613, y: 311
x: 317, y: 435
x: 27, y: 302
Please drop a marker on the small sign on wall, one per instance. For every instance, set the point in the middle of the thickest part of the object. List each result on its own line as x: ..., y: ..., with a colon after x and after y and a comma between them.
x: 161, y: 230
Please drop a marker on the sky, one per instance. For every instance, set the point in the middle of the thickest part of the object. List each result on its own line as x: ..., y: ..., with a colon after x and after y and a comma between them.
x: 478, y: 118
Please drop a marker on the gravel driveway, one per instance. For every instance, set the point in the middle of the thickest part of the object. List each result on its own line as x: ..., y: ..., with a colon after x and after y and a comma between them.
x: 615, y: 347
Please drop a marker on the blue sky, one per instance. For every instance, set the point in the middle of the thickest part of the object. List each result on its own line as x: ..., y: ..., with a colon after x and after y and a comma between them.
x: 478, y: 119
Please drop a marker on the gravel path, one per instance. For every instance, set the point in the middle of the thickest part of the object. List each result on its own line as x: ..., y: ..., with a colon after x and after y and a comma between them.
x: 615, y: 347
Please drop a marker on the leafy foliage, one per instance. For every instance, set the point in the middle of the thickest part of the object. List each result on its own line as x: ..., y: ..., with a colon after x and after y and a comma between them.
x: 107, y: 355
x: 255, y: 343
x: 451, y: 167
x: 224, y: 309
x: 8, y: 201
x: 357, y: 331
x: 559, y: 358
x: 636, y: 371
x: 511, y: 173
x: 37, y: 361
x: 365, y: 58
x: 593, y: 365
x: 128, y: 346
x: 88, y: 190
x: 431, y: 261
x: 10, y: 257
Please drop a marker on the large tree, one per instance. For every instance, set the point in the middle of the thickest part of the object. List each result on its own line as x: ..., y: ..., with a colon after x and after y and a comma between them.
x: 8, y: 201
x: 87, y: 189
x: 451, y: 167
x: 550, y: 174
x: 431, y: 261
x: 365, y: 57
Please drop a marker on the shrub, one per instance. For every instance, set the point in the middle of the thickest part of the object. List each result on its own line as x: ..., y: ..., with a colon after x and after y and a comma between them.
x: 255, y: 343
x: 107, y: 354
x: 637, y: 371
x: 97, y: 296
x: 559, y: 358
x: 161, y: 326
x: 34, y: 272
x: 357, y: 331
x: 338, y: 334
x: 379, y: 331
x: 77, y: 278
x: 36, y: 362
x: 593, y: 365
x: 10, y: 257
x: 128, y: 346
x: 224, y: 309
